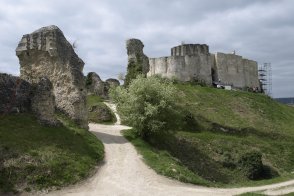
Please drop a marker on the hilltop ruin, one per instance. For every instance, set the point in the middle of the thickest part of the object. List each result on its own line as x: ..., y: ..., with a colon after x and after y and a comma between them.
x: 194, y: 62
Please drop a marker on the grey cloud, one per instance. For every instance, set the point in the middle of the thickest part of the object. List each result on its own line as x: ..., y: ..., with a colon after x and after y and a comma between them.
x: 259, y: 30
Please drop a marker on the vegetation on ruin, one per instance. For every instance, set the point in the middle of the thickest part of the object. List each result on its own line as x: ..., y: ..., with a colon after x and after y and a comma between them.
x: 94, y: 115
x: 217, y: 137
x: 134, y: 69
x: 35, y: 157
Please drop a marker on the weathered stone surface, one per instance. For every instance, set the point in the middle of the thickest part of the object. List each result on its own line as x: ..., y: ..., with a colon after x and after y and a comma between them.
x: 190, y: 62
x: 98, y: 87
x: 95, y: 85
x: 136, y: 54
x: 15, y: 94
x: 112, y: 82
x: 43, y: 102
x: 47, y: 53
x: 187, y: 63
x: 138, y: 62
x: 190, y: 49
x: 109, y: 83
x: 234, y: 70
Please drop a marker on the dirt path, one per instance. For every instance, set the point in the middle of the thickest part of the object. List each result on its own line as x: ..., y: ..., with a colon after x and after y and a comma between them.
x: 125, y: 174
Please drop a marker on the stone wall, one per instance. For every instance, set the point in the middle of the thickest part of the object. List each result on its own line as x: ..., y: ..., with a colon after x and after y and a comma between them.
x: 233, y: 70
x: 190, y: 62
x: 189, y: 49
x: 187, y: 63
x: 251, y: 73
x: 15, y: 94
x: 43, y: 102
x: 20, y: 96
x: 47, y: 53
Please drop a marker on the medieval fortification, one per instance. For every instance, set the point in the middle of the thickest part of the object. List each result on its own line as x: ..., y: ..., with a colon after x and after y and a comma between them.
x: 51, y: 78
x: 190, y: 62
x: 51, y: 74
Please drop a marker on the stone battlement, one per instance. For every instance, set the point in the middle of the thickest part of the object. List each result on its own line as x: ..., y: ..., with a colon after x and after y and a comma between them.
x: 189, y: 49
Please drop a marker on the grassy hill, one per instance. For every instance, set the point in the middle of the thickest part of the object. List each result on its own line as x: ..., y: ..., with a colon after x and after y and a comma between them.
x: 38, y: 157
x: 219, y: 138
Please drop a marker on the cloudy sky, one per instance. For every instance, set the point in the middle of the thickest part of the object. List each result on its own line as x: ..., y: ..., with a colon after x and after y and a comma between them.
x: 261, y: 30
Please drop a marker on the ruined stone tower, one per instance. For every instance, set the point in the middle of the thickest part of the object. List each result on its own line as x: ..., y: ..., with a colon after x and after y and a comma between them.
x: 138, y: 62
x: 187, y: 62
x: 47, y: 53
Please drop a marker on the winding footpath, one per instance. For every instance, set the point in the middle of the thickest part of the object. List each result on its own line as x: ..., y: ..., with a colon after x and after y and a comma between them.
x: 124, y: 173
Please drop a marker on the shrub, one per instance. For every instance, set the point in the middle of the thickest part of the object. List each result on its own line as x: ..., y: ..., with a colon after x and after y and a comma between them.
x: 145, y: 104
x: 251, y: 164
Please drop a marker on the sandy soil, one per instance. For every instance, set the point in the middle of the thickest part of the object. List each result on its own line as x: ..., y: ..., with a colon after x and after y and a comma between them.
x: 125, y: 174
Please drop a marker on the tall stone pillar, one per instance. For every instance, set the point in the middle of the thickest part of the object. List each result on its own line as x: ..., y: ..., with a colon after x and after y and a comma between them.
x: 47, y: 53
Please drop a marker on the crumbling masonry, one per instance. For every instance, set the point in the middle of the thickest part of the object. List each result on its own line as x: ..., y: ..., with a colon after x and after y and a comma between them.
x: 46, y: 53
x: 190, y: 62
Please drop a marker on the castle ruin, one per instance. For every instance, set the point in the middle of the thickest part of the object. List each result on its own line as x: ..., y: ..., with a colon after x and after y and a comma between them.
x: 47, y: 53
x: 138, y: 62
x: 190, y: 62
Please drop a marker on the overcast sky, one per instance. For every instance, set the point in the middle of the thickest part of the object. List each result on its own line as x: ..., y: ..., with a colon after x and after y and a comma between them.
x: 261, y: 30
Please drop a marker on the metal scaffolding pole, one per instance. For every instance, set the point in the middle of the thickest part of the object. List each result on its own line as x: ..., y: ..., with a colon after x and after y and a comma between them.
x: 265, y: 78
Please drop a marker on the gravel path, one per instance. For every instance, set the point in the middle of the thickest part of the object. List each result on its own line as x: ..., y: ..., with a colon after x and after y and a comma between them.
x: 125, y: 174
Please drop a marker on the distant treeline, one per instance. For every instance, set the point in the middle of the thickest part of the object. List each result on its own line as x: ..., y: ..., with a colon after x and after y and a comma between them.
x: 289, y: 100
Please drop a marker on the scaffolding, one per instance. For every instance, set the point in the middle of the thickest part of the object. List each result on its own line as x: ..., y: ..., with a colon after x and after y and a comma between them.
x: 265, y: 78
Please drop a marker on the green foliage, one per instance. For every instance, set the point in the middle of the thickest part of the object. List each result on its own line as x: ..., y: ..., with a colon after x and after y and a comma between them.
x: 134, y: 69
x: 214, y: 128
x: 146, y: 104
x: 38, y: 157
x: 251, y: 164
x: 163, y: 162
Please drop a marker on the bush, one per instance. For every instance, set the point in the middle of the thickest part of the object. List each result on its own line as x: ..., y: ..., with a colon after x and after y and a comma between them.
x: 145, y: 104
x: 251, y: 164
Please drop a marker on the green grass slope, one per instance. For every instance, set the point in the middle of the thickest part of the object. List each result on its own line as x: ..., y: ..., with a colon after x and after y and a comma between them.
x: 38, y: 157
x: 217, y: 135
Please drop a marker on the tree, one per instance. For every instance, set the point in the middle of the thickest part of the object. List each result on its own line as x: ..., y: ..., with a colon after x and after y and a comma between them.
x: 145, y: 104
